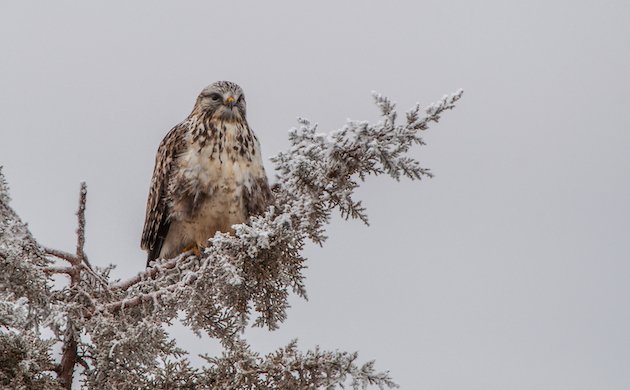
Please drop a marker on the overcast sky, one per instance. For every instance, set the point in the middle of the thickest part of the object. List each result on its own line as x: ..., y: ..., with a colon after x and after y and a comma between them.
x: 509, y: 270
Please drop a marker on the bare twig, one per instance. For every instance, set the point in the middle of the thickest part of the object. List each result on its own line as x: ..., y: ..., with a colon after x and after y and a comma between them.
x: 82, y: 362
x: 59, y: 270
x: 81, y: 227
x: 72, y: 259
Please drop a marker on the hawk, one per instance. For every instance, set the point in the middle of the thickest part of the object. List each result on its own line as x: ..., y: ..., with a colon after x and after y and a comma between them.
x: 208, y: 176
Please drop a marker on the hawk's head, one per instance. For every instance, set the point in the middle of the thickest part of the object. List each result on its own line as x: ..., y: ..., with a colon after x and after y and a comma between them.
x: 222, y: 100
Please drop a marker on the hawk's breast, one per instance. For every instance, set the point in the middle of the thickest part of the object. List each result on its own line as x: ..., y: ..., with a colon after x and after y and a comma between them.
x: 217, y: 175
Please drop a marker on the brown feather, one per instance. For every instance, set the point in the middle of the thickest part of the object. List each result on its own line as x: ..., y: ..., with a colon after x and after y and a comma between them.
x: 157, y: 214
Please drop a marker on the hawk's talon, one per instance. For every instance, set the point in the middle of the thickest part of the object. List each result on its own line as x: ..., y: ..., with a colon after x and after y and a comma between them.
x: 196, y: 249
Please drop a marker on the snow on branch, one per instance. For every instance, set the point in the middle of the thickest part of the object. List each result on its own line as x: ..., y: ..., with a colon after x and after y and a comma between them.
x: 114, y: 329
x: 320, y: 170
x: 288, y: 368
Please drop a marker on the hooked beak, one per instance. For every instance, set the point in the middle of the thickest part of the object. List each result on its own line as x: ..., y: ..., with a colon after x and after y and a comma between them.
x: 229, y: 101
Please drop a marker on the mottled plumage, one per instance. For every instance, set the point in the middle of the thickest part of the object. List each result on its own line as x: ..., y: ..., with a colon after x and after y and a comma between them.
x: 208, y: 176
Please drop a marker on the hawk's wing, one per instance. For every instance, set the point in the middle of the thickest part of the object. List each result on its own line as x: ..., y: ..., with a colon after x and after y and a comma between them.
x: 156, y: 222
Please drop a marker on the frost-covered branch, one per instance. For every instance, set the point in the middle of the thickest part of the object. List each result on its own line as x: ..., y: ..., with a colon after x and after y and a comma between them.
x: 69, y: 356
x: 288, y: 368
x: 114, y: 329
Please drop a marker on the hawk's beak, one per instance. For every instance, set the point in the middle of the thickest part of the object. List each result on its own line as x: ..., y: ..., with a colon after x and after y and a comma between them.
x: 230, y: 101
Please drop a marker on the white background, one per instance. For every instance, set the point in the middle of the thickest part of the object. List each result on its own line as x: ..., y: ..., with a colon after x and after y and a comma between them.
x: 509, y: 270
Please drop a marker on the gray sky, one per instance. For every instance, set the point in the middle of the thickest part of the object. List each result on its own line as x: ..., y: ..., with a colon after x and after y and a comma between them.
x: 509, y: 270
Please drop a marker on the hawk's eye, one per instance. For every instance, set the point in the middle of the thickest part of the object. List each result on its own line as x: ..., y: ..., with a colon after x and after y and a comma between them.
x: 215, y: 96
x: 240, y: 99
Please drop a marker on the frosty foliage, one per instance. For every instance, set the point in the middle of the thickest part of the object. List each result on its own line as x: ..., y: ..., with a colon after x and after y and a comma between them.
x: 25, y: 303
x: 114, y: 330
x: 25, y: 362
x: 21, y: 262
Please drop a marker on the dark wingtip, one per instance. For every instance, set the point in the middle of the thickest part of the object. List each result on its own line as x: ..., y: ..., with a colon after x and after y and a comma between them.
x: 153, y: 254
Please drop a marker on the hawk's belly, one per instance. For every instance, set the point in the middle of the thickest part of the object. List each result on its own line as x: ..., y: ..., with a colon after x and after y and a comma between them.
x: 211, y: 188
x: 214, y: 212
